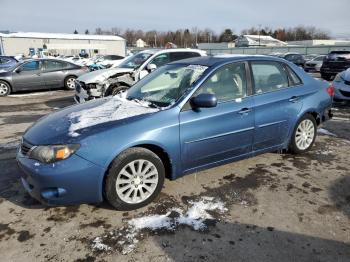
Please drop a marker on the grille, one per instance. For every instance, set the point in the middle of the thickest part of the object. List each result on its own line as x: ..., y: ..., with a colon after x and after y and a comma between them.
x: 25, y: 147
x: 344, y: 93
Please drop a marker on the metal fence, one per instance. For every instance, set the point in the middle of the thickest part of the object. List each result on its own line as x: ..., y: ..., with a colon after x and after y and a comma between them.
x: 304, y: 50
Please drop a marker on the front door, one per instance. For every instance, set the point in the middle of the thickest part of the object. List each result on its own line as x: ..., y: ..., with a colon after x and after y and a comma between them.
x: 28, y: 76
x: 212, y: 135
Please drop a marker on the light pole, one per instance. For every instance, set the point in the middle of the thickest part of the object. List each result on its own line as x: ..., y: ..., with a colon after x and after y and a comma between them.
x: 259, y: 33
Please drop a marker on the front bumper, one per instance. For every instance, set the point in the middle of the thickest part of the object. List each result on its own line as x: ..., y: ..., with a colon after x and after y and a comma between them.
x: 70, y: 181
x: 82, y: 93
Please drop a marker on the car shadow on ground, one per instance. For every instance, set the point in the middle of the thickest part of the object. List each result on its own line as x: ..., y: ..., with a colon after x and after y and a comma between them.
x: 61, y: 102
x: 244, y: 242
x: 339, y: 193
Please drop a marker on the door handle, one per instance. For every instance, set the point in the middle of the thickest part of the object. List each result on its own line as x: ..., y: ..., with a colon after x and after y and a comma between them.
x: 244, y: 111
x: 294, y: 99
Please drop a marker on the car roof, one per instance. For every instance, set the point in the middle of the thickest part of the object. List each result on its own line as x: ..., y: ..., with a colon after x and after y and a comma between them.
x: 172, y: 50
x: 222, y: 59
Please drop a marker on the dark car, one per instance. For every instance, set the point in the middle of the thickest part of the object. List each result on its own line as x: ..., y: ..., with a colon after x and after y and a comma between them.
x: 295, y: 58
x: 37, y: 74
x: 7, y: 62
x: 334, y: 63
x: 186, y: 116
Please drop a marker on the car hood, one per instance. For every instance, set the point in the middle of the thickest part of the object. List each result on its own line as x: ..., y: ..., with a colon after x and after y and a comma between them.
x: 100, y: 76
x: 75, y: 122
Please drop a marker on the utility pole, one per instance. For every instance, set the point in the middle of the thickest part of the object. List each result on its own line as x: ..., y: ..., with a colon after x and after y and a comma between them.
x: 259, y: 33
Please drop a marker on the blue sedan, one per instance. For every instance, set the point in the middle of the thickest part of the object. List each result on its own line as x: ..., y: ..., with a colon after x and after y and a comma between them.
x: 187, y: 116
x: 341, y: 86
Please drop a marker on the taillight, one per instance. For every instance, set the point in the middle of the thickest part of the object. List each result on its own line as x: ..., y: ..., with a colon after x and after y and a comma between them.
x: 330, y: 91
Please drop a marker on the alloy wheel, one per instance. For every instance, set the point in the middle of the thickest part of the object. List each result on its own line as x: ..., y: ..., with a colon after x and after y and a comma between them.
x: 137, y: 181
x: 305, y: 134
x: 3, y: 89
x: 71, y: 83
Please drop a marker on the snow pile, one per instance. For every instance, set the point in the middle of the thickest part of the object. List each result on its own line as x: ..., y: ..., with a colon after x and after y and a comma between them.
x: 99, y: 246
x: 114, y: 108
x: 325, y: 132
x: 196, y: 217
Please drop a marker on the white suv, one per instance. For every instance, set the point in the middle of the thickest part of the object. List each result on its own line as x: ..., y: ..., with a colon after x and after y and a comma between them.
x: 112, y: 81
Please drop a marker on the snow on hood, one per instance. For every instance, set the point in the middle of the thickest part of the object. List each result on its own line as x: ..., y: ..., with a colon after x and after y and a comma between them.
x: 100, y: 76
x: 114, y: 108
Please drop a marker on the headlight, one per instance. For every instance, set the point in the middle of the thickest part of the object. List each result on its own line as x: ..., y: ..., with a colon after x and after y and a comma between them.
x: 338, y: 78
x: 54, y: 153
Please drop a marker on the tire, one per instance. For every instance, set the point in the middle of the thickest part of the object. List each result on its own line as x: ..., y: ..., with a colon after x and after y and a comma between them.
x: 118, y: 89
x: 304, y: 135
x: 5, y: 88
x: 69, y: 82
x: 127, y: 196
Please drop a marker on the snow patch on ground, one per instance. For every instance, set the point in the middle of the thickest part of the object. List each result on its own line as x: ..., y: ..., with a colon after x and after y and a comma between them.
x: 196, y: 217
x: 98, y: 245
x: 114, y: 108
x: 325, y: 132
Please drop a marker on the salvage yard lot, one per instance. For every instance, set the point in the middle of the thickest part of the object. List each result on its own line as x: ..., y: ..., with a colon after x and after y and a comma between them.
x: 274, y: 207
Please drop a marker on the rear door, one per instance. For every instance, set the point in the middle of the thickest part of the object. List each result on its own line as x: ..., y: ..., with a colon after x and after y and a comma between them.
x: 28, y: 76
x: 277, y: 101
x: 54, y: 73
x: 212, y: 135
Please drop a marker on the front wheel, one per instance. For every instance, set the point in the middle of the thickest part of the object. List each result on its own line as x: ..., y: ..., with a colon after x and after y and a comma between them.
x: 118, y: 90
x: 304, y: 135
x: 5, y: 88
x: 135, y: 178
x: 69, y: 82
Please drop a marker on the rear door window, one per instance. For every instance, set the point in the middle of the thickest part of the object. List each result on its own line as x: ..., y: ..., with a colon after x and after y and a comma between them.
x: 161, y: 60
x: 54, y: 65
x: 175, y: 56
x: 268, y: 77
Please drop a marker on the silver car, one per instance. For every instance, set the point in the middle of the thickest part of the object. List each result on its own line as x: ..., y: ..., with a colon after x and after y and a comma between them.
x: 314, y: 65
x: 36, y: 74
x: 116, y: 80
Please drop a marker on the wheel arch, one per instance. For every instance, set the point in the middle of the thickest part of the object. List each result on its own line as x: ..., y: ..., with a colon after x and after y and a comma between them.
x: 7, y: 82
x: 119, y: 83
x: 158, y: 150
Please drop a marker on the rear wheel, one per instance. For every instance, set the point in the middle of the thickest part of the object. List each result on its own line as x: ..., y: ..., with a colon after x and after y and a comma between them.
x: 69, y: 82
x: 5, y: 88
x: 135, y: 178
x: 304, y: 135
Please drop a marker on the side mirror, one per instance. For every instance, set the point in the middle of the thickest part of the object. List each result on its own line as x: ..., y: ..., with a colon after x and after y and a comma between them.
x: 18, y: 70
x: 151, y: 67
x: 204, y: 101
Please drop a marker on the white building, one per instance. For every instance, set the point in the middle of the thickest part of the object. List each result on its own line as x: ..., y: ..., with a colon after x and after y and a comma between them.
x: 62, y: 44
x: 317, y: 42
x: 140, y: 43
x: 258, y: 40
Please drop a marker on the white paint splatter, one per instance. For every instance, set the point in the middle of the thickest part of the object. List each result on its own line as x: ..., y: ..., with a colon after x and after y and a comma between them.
x: 98, y: 245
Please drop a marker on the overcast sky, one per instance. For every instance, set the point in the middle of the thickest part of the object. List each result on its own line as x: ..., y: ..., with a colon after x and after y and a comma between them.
x: 66, y: 15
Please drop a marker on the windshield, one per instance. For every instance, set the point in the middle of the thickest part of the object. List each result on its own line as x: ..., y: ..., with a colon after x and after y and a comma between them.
x: 135, y: 61
x: 166, y: 85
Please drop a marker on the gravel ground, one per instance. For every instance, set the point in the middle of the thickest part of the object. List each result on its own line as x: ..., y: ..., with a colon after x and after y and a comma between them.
x: 278, y: 207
